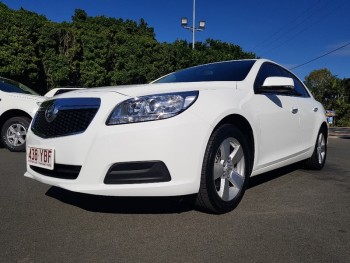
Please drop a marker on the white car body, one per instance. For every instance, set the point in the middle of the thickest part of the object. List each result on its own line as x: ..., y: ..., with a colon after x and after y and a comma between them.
x: 58, y: 91
x: 180, y: 142
x: 25, y: 103
x: 17, y: 105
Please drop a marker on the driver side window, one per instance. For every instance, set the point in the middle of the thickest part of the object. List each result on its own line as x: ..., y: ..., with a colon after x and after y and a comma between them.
x: 266, y: 70
x: 299, y: 89
x: 272, y: 70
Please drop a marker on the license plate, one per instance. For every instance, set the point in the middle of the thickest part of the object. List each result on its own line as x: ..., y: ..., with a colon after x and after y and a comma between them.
x: 41, y: 157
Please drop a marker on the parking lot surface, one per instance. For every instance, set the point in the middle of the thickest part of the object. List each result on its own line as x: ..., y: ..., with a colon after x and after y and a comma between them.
x: 288, y: 215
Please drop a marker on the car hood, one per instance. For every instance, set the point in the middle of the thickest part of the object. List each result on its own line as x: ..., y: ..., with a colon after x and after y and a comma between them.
x: 150, y: 89
x: 22, y: 96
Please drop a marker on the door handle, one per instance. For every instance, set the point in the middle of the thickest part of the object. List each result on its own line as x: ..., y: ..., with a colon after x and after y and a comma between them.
x: 294, y: 110
x: 315, y: 109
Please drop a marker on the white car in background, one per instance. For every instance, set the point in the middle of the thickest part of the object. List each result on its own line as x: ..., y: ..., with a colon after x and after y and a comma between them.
x: 203, y: 130
x: 58, y: 91
x: 18, y: 104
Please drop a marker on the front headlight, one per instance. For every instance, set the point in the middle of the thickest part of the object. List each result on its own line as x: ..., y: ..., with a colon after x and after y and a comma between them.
x: 152, y: 107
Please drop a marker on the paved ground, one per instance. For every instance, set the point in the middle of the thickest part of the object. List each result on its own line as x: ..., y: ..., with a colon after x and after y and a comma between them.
x: 289, y: 215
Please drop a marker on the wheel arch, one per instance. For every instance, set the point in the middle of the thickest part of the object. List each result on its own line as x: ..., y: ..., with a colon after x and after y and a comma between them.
x: 12, y: 113
x: 243, y: 124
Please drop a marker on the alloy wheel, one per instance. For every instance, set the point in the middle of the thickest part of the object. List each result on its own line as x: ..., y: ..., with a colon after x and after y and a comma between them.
x: 229, y: 169
x: 16, y: 134
x: 321, y: 148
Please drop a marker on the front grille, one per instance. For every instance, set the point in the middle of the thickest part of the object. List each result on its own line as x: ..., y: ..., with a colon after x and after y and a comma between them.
x: 67, y: 122
x: 62, y: 117
x: 61, y: 171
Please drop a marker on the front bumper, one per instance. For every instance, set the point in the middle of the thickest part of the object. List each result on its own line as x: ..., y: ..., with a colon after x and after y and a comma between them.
x: 178, y: 142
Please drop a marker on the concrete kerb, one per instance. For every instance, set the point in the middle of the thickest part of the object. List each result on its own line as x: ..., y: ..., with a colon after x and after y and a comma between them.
x: 339, y: 132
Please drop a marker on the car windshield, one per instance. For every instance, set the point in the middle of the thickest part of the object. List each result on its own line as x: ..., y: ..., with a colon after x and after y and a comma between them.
x: 11, y: 86
x: 221, y: 71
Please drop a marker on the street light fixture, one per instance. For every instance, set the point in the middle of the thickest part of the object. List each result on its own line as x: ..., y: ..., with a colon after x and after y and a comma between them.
x: 201, y: 25
x: 184, y: 21
x: 193, y: 28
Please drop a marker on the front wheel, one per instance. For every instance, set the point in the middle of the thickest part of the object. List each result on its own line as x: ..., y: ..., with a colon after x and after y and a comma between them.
x: 14, y: 133
x: 318, y: 158
x: 225, y: 170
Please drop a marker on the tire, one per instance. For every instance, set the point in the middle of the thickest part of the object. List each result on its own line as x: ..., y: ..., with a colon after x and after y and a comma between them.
x: 318, y: 158
x: 225, y: 171
x: 14, y: 133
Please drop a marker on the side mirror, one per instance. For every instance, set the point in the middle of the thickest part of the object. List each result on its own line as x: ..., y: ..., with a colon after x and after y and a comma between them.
x: 277, y: 84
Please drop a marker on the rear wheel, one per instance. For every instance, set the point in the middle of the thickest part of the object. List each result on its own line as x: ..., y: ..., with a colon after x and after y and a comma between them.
x: 14, y: 133
x: 318, y: 158
x: 225, y: 170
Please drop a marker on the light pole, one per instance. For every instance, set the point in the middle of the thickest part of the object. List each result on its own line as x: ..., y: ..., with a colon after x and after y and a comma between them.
x: 193, y: 28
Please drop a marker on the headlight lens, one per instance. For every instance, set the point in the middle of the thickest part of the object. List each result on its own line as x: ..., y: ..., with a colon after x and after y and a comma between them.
x: 152, y: 107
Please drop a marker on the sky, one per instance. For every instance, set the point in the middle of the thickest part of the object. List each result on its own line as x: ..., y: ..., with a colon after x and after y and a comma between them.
x: 289, y: 32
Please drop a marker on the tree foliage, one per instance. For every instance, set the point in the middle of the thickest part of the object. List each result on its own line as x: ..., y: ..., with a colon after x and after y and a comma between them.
x: 102, y: 51
x: 334, y: 93
x: 94, y: 51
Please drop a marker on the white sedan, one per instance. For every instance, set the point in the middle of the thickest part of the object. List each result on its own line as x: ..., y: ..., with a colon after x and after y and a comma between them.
x: 201, y: 131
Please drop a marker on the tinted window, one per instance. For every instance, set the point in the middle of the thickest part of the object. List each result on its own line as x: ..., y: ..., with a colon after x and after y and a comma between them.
x: 266, y: 70
x: 11, y: 86
x: 222, y: 71
x: 299, y: 89
x: 272, y: 70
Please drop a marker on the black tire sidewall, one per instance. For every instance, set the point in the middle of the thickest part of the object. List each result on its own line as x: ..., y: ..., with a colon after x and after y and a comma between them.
x: 312, y: 162
x: 319, y: 166
x: 25, y: 122
x: 220, y: 135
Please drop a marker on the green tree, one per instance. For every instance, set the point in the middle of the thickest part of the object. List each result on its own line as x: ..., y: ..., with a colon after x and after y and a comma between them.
x: 332, y: 92
x: 94, y: 51
x: 19, y: 33
x: 320, y: 82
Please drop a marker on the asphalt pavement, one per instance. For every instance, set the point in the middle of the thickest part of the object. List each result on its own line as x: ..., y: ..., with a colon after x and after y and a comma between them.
x: 288, y: 215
